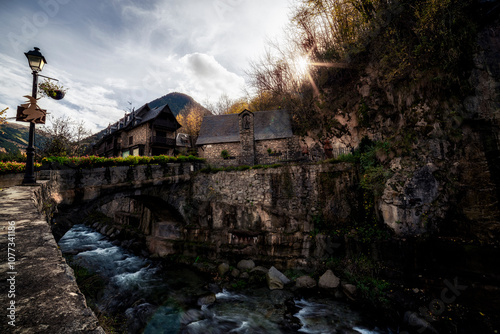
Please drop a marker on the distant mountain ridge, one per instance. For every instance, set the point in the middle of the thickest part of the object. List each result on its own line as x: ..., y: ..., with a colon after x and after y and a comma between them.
x: 14, y: 136
x: 176, y: 101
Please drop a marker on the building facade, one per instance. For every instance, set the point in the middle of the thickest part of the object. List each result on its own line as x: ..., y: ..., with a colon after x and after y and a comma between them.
x: 248, y: 138
x: 146, y: 131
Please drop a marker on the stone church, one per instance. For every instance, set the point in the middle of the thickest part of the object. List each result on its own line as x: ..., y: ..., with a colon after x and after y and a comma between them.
x: 247, y: 138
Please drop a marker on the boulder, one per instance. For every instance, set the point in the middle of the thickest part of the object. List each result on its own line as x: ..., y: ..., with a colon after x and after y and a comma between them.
x: 328, y: 280
x: 235, y: 273
x: 350, y: 290
x: 245, y: 265
x: 222, y: 269
x: 137, y: 316
x: 276, y: 279
x: 258, y: 276
x: 259, y: 270
x: 274, y: 283
x: 207, y: 299
x: 305, y: 282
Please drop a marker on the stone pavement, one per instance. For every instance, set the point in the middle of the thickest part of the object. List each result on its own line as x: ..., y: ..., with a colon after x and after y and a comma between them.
x: 38, y: 291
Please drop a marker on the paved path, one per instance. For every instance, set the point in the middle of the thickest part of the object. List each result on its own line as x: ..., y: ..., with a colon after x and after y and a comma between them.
x: 36, y: 284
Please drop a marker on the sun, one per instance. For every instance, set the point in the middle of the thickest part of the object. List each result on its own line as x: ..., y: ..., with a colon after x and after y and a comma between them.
x: 301, y: 64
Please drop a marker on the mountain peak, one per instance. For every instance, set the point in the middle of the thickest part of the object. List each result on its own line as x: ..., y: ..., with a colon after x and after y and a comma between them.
x: 175, y: 100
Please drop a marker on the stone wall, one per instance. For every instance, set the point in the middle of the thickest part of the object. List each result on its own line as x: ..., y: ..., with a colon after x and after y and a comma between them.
x: 141, y: 136
x: 75, y: 187
x: 212, y: 152
x: 265, y: 214
x: 12, y: 179
x: 46, y: 298
x: 277, y: 145
x: 286, y: 149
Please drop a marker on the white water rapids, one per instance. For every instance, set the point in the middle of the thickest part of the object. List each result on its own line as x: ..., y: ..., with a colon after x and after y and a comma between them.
x: 160, y: 300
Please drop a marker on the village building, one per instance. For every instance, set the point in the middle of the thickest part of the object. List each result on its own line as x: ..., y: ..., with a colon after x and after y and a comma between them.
x: 146, y: 131
x: 247, y: 138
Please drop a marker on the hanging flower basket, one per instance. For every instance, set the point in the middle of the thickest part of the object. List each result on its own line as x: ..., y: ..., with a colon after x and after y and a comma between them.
x: 52, y: 90
x: 57, y: 94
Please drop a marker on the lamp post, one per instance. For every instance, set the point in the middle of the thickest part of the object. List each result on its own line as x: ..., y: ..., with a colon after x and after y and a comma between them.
x: 36, y: 61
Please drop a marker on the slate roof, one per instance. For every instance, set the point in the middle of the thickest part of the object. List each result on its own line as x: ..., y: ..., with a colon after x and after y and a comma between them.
x: 272, y: 124
x: 140, y: 116
x: 153, y: 113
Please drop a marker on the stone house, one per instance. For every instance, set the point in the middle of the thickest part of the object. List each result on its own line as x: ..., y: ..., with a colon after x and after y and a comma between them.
x: 145, y: 131
x: 248, y: 138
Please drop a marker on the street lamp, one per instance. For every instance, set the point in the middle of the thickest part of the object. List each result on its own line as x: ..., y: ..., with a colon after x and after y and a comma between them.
x: 36, y: 61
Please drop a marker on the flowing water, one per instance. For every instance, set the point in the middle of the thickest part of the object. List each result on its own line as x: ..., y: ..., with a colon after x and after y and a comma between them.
x: 160, y: 300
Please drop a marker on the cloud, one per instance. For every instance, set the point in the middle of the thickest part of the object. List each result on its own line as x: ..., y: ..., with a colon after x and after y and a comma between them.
x: 205, y: 76
x: 111, y: 52
x: 83, y: 102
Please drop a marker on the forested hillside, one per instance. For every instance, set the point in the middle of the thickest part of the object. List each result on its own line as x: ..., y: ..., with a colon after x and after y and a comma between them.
x: 14, y: 137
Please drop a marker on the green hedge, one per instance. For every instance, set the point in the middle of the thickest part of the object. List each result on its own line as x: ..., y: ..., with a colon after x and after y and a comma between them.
x: 93, y: 161
x: 14, y: 167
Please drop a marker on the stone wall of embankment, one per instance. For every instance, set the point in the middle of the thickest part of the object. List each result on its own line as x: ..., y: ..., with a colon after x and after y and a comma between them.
x: 39, y: 293
x: 272, y: 215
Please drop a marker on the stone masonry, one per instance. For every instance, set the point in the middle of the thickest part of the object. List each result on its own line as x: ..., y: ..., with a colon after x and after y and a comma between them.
x: 41, y: 286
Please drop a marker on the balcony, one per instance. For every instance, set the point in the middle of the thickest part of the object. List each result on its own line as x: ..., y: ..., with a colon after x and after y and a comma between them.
x: 162, y: 141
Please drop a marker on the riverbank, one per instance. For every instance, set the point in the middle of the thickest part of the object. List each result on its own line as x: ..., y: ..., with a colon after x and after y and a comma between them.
x: 39, y: 293
x: 413, y: 285
x: 170, y: 297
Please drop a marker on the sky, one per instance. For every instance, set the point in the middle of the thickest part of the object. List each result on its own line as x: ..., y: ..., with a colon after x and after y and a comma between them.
x: 112, y: 52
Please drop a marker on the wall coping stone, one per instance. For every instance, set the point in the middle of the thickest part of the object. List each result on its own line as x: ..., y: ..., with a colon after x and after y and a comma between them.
x: 47, y: 298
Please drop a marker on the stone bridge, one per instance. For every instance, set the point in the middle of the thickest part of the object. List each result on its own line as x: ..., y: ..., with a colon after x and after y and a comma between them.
x: 268, y: 214
x: 134, y: 195
x: 80, y: 186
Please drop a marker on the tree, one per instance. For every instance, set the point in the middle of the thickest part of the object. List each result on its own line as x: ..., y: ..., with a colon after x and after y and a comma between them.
x: 263, y: 101
x: 238, y: 106
x: 190, y: 119
x: 222, y: 105
x: 80, y: 144
x: 3, y: 117
x: 64, y: 137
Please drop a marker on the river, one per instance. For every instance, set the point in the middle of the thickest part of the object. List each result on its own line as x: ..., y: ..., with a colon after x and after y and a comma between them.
x: 159, y: 300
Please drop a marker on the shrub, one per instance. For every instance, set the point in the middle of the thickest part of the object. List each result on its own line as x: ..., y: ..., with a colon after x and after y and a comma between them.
x: 93, y: 161
x: 14, y: 167
x: 374, y: 179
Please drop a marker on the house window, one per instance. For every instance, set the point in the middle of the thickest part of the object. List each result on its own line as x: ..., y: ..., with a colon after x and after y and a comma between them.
x: 131, y: 140
x: 125, y: 154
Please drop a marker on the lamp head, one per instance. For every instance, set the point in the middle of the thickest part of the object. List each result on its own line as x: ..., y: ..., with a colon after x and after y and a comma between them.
x: 35, y: 59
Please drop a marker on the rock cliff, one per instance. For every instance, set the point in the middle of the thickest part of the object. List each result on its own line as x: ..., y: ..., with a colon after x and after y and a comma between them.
x: 442, y: 160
